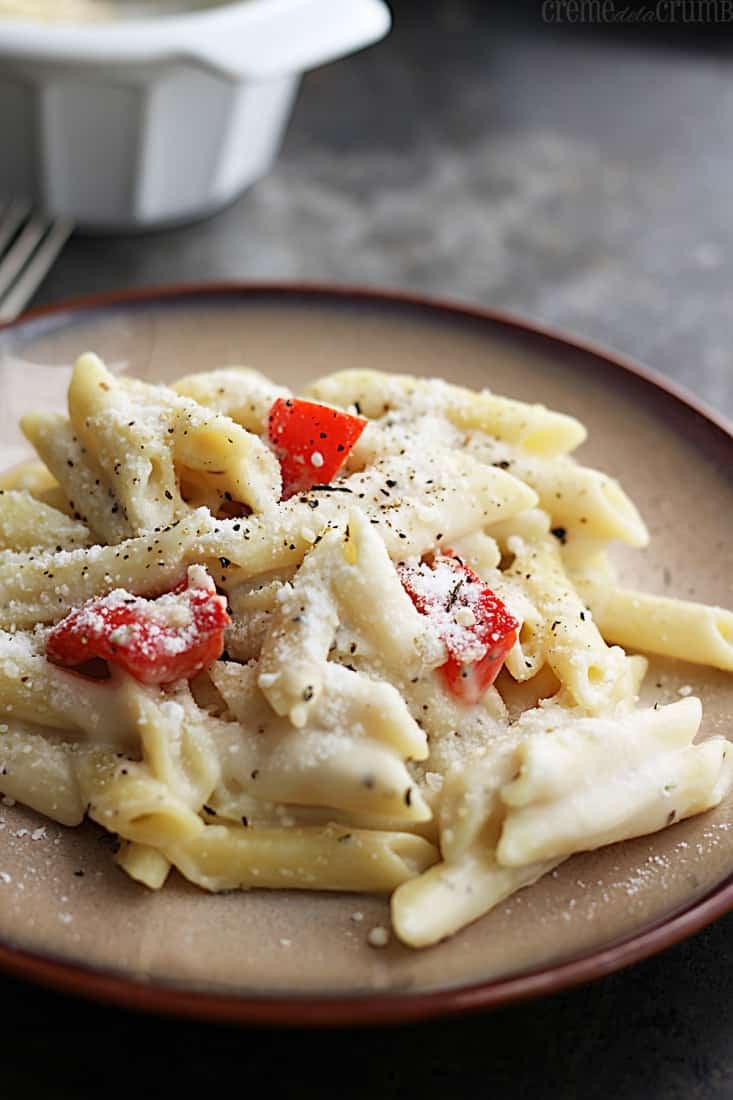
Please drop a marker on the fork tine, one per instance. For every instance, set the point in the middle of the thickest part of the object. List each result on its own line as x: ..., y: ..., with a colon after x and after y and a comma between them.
x: 18, y: 297
x: 11, y: 219
x: 20, y: 252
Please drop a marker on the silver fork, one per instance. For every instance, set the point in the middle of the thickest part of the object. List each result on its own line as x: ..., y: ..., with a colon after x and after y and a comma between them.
x: 29, y: 245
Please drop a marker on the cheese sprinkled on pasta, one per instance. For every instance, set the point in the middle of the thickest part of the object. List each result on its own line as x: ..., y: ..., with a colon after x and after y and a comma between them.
x: 369, y: 639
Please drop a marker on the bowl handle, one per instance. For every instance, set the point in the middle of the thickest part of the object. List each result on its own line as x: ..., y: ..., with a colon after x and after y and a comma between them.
x: 288, y: 36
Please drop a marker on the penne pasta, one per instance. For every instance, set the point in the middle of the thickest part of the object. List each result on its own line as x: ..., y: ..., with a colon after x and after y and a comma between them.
x: 659, y: 624
x: 538, y: 429
x: 371, y: 645
x: 226, y: 857
x: 242, y: 394
x: 92, y: 498
x: 27, y: 524
x: 447, y: 897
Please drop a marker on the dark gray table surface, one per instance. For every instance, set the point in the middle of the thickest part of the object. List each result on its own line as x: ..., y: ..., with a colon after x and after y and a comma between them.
x: 581, y: 176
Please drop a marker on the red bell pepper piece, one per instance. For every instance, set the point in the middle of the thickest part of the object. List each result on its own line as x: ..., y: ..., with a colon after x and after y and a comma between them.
x: 157, y: 641
x: 475, y: 625
x: 312, y: 441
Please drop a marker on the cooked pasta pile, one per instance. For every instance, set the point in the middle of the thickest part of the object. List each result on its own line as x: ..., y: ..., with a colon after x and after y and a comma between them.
x: 415, y: 682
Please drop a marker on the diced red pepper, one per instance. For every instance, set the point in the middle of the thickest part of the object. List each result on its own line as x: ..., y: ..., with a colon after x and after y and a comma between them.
x: 475, y: 625
x: 157, y: 641
x: 312, y: 441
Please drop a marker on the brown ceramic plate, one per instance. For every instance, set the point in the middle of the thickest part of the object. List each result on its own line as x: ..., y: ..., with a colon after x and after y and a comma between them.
x: 297, y: 958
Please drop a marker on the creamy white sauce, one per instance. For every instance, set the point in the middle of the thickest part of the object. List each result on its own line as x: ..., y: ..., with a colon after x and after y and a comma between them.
x: 98, y: 11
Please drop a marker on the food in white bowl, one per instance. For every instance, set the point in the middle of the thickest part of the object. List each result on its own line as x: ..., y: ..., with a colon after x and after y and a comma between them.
x: 56, y: 11
x: 82, y: 11
x: 127, y: 123
x: 369, y: 639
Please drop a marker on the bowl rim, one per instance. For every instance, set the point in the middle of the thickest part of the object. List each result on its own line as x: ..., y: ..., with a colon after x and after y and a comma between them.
x: 345, y: 1010
x: 39, y: 28
x: 201, y: 34
x: 108, y: 38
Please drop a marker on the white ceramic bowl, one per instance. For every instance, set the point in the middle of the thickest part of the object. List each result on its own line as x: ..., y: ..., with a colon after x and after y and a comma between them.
x: 135, y: 124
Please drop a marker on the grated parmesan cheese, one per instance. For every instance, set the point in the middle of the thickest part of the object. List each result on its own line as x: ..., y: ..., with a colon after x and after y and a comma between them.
x: 378, y: 936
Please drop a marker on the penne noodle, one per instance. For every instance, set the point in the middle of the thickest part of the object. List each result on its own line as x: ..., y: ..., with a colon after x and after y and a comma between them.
x: 682, y: 629
x: 226, y: 857
x: 376, y: 647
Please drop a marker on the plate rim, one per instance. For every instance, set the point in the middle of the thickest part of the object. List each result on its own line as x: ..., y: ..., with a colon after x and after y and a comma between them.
x: 367, y: 1009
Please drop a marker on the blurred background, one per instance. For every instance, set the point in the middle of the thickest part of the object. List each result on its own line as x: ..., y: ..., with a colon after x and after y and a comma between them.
x: 497, y: 153
x: 577, y: 173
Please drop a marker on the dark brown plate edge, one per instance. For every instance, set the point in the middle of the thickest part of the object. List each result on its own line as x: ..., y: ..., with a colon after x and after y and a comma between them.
x: 368, y: 1009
